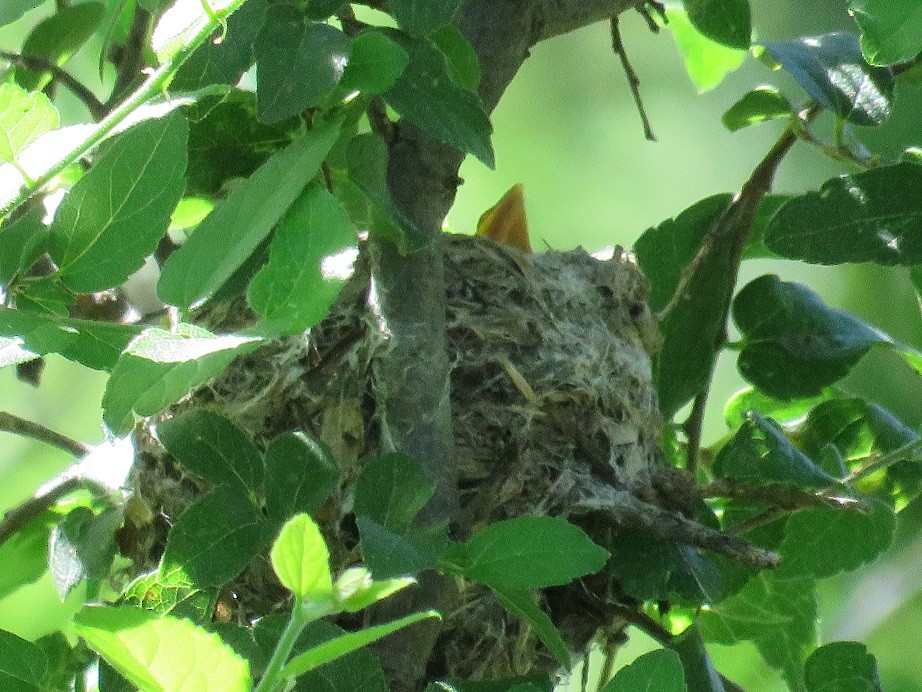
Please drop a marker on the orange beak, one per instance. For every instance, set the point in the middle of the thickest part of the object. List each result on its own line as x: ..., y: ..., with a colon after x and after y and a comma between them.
x: 506, y: 222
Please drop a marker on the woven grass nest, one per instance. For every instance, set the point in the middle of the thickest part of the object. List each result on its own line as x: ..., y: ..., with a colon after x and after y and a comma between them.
x: 553, y: 405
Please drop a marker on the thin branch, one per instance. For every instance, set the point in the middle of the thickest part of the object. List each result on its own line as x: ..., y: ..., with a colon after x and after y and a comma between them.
x: 780, y: 497
x: 642, y: 621
x: 26, y: 428
x: 39, y: 64
x: 884, y: 461
x: 693, y: 427
x: 16, y: 518
x: 633, y: 80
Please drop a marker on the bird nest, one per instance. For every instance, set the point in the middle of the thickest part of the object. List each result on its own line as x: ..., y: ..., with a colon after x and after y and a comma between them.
x: 553, y: 405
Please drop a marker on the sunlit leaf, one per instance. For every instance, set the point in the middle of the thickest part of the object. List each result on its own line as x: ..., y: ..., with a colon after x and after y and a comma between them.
x: 891, y: 30
x: 24, y: 117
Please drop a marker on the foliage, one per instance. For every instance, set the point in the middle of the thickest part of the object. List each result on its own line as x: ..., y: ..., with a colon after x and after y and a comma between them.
x: 807, y: 474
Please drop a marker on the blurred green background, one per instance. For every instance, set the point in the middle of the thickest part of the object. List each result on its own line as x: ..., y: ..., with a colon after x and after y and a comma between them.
x: 567, y: 128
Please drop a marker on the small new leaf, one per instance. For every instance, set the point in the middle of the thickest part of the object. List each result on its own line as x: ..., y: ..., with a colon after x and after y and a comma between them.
x: 757, y: 106
x: 301, y: 560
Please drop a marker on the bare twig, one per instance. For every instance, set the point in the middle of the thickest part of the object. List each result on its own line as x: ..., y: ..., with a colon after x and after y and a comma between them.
x: 642, y: 621
x: 130, y: 61
x: 692, y: 427
x: 16, y: 518
x: 780, y: 497
x: 633, y: 80
x: 20, y: 426
x: 39, y: 64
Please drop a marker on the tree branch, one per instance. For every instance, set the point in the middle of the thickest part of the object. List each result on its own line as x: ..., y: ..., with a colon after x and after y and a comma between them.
x: 27, y: 428
x: 38, y: 64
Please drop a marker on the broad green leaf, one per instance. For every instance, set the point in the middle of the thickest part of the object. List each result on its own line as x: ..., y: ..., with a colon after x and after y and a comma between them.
x: 865, y: 217
x: 310, y: 258
x: 831, y: 69
x: 66, y: 662
x: 215, y: 538
x: 389, y: 554
x: 226, y: 141
x: 707, y: 62
x: 94, y: 344
x: 349, y: 642
x: 24, y: 117
x: 391, y: 491
x: 159, y: 367
x: 422, y: 16
x: 224, y: 61
x: 23, y: 665
x: 356, y: 590
x: 297, y: 64
x: 781, y: 410
x: 794, y: 344
x: 527, y: 553
x: 162, y: 653
x: 301, y: 560
x: 728, y: 22
x: 22, y: 242
x: 321, y: 9
x: 116, y: 214
x: 25, y: 553
x: 57, y: 38
x: 860, y: 431
x: 659, y: 670
x: 45, y: 296
x: 11, y: 10
x: 522, y: 604
x: 82, y: 547
x: 375, y: 63
x: 825, y: 542
x: 171, y: 592
x: 757, y: 106
x: 776, y: 612
x: 842, y: 667
x: 213, y: 447
x: 891, y: 30
x: 693, y: 331
x: 240, y: 223
x: 367, y: 158
x: 760, y: 453
x: 460, y: 57
x: 426, y: 96
x: 300, y: 475
x: 755, y: 244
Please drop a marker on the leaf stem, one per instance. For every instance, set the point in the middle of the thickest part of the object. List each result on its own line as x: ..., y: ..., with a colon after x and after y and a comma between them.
x: 153, y: 86
x: 273, y: 678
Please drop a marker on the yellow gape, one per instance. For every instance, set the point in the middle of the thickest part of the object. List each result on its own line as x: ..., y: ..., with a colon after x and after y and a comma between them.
x: 505, y: 222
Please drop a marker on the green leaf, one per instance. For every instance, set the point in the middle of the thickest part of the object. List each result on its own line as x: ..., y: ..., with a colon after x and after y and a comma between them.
x: 865, y: 217
x: 11, y: 10
x: 171, y: 592
x: 116, y: 214
x: 356, y: 590
x: 728, y: 22
x: 694, y: 331
x: 24, y: 117
x: 321, y: 9
x: 301, y: 560
x: 82, y: 547
x: 297, y: 64
x: 349, y: 642
x: 162, y: 653
x: 522, y: 604
x: 527, y: 553
x: 795, y: 345
x: 757, y: 106
x: 300, y: 475
x: 842, y: 667
x: 94, y: 344
x: 375, y: 63
x: 825, y: 542
x: 831, y: 69
x: 422, y: 16
x: 160, y: 367
x: 25, y: 554
x: 776, y: 612
x: 215, y: 538
x: 760, y: 453
x: 390, y: 554
x: 240, y: 223
x: 891, y: 30
x: 225, y: 61
x: 310, y: 258
x: 214, y: 448
x: 700, y: 674
x: 45, y: 296
x: 57, y: 38
x: 22, y: 242
x: 781, y: 410
x: 23, y: 665
x: 426, y: 96
x: 707, y: 62
x: 460, y: 57
x: 391, y: 491
x: 367, y: 158
x: 659, y: 670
